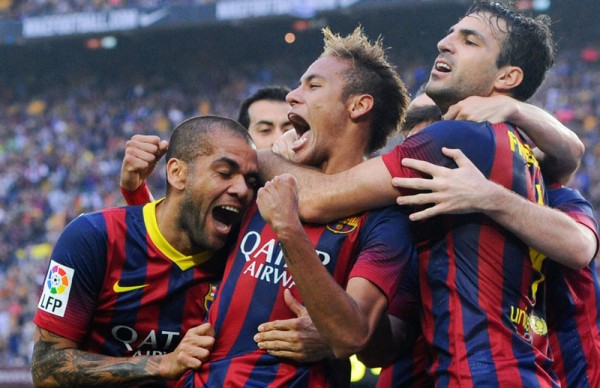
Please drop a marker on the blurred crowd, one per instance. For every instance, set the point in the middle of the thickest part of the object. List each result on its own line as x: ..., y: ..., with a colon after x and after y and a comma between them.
x: 17, y: 9
x: 63, y: 141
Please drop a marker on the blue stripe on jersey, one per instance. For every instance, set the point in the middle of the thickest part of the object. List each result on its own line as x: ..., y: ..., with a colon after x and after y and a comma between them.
x: 133, y: 271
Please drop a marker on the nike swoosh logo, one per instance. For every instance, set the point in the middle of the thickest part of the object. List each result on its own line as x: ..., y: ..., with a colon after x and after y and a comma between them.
x: 151, y: 18
x: 117, y: 288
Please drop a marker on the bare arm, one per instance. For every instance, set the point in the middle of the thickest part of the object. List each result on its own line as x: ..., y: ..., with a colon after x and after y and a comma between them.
x: 562, y: 149
x: 465, y: 190
x: 345, y: 318
x: 391, y: 338
x: 325, y: 198
x: 58, y: 363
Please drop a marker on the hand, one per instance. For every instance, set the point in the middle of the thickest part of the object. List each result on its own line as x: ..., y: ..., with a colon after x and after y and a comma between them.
x: 494, y: 109
x: 453, y: 191
x: 191, y: 353
x: 283, y: 146
x: 142, y: 153
x: 277, y: 202
x: 296, y: 339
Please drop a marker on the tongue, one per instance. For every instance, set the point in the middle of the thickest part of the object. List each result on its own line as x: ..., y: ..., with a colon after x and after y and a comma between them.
x: 300, y: 142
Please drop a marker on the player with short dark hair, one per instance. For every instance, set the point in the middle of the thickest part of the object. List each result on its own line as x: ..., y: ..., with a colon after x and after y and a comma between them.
x: 264, y: 114
x: 128, y: 288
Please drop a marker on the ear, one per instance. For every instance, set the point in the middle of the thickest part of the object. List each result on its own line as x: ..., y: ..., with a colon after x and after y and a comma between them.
x: 509, y: 77
x: 177, y: 171
x: 360, y: 105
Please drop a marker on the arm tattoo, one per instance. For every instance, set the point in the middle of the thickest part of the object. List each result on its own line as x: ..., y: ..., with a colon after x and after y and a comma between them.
x: 56, y: 365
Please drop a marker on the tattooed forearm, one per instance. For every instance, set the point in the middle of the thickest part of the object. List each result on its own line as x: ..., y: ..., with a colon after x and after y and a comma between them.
x: 54, y: 364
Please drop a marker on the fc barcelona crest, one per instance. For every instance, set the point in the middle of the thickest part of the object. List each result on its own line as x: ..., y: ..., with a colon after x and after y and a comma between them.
x: 344, y: 226
x: 210, y: 295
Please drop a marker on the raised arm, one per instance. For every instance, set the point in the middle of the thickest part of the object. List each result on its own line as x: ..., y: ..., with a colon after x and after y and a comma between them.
x: 466, y: 190
x: 56, y: 362
x: 142, y: 153
x: 562, y: 150
x: 325, y: 198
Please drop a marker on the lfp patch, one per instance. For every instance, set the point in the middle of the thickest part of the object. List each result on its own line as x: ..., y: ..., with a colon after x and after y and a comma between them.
x: 57, y: 287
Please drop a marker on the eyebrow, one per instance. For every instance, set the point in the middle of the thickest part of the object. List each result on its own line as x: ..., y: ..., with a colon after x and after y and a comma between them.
x: 268, y: 122
x: 234, y: 165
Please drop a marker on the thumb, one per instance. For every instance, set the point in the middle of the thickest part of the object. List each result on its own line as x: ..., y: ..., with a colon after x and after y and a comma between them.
x: 293, y: 303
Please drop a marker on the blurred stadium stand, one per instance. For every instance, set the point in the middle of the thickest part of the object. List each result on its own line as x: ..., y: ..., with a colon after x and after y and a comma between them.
x: 78, y: 78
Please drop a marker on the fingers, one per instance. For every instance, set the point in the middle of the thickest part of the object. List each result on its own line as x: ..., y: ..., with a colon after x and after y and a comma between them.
x: 283, y: 146
x: 293, y: 303
x: 423, y: 166
x: 414, y: 184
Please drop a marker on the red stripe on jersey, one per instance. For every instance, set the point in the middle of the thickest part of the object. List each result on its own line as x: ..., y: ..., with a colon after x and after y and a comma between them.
x: 116, y: 228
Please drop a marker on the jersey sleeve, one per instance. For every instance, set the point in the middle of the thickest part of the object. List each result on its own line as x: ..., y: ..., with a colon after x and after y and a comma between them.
x: 140, y: 196
x: 572, y: 203
x: 473, y: 139
x: 387, y: 249
x: 74, y: 279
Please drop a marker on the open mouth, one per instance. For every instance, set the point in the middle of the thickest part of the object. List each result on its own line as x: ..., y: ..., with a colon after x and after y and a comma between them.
x: 226, y: 215
x: 443, y: 67
x: 299, y: 124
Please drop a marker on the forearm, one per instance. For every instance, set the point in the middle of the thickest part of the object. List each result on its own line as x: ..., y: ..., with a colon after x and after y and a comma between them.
x: 56, y: 366
x: 562, y: 148
x: 335, y: 314
x: 549, y: 231
x: 323, y: 197
x: 392, y: 338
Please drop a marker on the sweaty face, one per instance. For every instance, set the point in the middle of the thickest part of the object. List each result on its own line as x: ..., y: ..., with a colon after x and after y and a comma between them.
x: 466, y: 65
x: 268, y: 121
x: 219, y: 188
x: 317, y: 110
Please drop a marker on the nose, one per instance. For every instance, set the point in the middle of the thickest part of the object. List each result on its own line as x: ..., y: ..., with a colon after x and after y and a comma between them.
x: 239, y: 188
x: 445, y: 44
x: 293, y: 97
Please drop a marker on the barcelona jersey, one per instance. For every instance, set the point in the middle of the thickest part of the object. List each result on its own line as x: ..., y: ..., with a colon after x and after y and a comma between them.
x: 573, y: 303
x: 478, y: 281
x: 377, y: 246
x: 116, y: 287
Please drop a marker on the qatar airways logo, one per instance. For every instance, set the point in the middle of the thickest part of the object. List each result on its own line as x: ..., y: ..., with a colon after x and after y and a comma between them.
x: 154, y: 343
x: 266, y: 260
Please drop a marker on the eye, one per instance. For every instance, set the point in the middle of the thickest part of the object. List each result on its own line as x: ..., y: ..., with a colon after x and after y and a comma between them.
x: 313, y: 85
x: 251, y: 182
x: 264, y: 130
x: 224, y: 173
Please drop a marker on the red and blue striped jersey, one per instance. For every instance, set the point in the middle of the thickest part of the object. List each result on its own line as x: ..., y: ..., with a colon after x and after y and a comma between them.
x: 573, y: 304
x: 478, y: 281
x: 409, y: 370
x: 117, y: 287
x: 376, y: 246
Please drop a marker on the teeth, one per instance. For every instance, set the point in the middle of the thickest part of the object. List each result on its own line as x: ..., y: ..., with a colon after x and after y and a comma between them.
x: 299, y: 142
x: 442, y: 66
x: 231, y: 209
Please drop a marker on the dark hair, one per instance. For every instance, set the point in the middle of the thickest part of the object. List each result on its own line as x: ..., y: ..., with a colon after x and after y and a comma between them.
x: 370, y: 73
x: 193, y: 137
x: 268, y: 93
x: 418, y: 114
x: 528, y: 43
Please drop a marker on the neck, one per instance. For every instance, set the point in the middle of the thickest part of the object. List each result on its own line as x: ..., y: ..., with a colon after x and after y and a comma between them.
x: 167, y: 213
